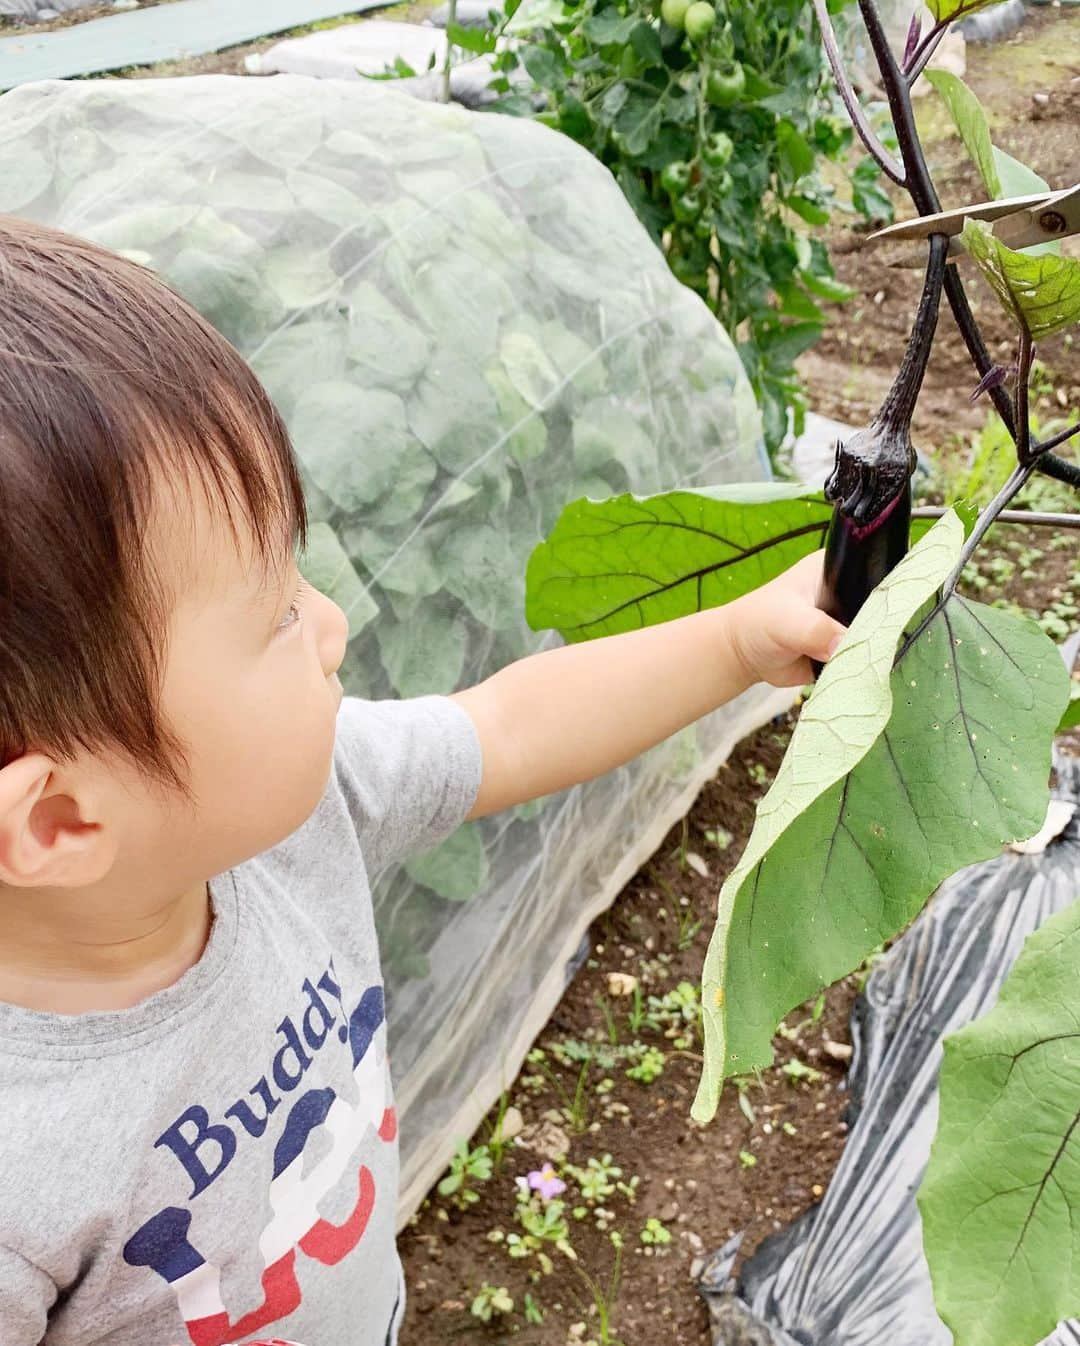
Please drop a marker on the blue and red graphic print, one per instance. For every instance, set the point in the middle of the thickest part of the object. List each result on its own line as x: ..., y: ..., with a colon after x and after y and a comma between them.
x: 166, y: 1244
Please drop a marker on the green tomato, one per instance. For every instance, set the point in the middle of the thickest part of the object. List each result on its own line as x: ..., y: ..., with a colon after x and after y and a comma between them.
x: 686, y: 208
x: 700, y: 18
x: 725, y: 84
x: 703, y: 227
x: 675, y: 178
x: 673, y: 12
x: 718, y: 149
x: 686, y: 271
x: 722, y: 184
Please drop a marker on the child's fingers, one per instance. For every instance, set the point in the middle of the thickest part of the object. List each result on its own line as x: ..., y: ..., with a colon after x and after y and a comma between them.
x: 821, y: 635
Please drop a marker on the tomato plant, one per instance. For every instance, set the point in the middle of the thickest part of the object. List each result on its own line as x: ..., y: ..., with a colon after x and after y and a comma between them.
x: 924, y: 745
x: 714, y: 119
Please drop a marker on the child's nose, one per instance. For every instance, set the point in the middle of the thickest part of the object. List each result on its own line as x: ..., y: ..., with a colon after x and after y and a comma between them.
x: 333, y: 634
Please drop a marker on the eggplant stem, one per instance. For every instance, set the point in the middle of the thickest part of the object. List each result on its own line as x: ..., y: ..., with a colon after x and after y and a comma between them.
x: 1017, y: 480
x: 1023, y: 375
x: 1045, y: 445
x: 866, y: 132
x: 1021, y: 516
x: 899, y: 405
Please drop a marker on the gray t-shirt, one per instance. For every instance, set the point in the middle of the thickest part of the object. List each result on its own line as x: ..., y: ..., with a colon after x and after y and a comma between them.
x: 219, y: 1163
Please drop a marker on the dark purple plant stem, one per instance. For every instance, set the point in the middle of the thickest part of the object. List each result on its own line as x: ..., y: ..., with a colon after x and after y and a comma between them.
x: 1023, y: 375
x: 1028, y: 518
x: 1017, y: 480
x: 899, y: 405
x: 866, y: 132
x: 1062, y: 435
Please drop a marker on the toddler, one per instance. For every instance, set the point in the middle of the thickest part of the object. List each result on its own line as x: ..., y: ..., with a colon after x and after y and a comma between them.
x: 199, y: 1137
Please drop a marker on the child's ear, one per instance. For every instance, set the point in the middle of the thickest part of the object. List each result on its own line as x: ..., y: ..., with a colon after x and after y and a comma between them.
x: 47, y: 838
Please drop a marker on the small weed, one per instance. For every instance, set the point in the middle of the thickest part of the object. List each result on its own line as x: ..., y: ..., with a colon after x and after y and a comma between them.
x: 543, y: 1223
x: 604, y: 1297
x: 719, y: 837
x: 745, y: 1106
x: 532, y: 1310
x: 596, y: 1179
x: 796, y: 1070
x: 636, y: 1015
x: 689, y: 925
x: 609, y: 1019
x: 655, y: 1233
x: 577, y: 1113
x: 466, y: 1167
x: 862, y: 972
x: 575, y: 1107
x: 789, y: 1130
x: 491, y: 1301
x: 650, y: 1066
x: 495, y: 1143
x: 747, y: 1159
x: 675, y: 1011
x: 757, y: 772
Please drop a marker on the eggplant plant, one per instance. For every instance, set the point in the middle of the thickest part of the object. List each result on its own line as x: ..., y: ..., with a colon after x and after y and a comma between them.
x: 923, y: 746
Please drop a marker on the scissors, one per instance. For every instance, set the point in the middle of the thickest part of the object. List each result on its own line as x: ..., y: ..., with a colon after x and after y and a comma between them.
x: 1019, y: 222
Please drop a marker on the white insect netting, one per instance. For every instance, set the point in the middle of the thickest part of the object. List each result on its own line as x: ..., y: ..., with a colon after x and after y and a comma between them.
x: 465, y: 327
x: 32, y: 9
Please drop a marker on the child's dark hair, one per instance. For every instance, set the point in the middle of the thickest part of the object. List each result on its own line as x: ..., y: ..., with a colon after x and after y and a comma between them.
x: 108, y: 380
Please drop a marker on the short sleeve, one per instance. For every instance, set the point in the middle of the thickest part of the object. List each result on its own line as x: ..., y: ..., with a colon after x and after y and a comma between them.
x: 26, y: 1295
x: 409, y: 772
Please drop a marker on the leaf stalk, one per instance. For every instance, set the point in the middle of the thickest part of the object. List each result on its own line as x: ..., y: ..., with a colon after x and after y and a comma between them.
x: 859, y: 120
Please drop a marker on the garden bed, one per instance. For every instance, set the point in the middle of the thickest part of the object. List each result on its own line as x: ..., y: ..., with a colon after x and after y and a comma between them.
x: 774, y: 1143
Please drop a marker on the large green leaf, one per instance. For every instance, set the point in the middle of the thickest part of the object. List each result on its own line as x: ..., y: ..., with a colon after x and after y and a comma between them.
x: 1071, y: 717
x: 1001, y: 1194
x: 619, y: 564
x: 967, y: 112
x: 355, y: 444
x: 1002, y: 175
x: 1041, y: 293
x: 895, y: 777
x: 945, y: 11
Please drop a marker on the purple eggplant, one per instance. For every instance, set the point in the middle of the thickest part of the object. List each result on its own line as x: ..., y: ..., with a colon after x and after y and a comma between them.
x: 870, y: 485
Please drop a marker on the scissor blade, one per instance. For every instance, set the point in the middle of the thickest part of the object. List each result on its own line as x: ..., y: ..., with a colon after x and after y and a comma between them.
x: 1050, y: 216
x: 952, y: 221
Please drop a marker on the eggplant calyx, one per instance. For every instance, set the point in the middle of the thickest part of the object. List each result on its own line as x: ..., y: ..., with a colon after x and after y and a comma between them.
x: 870, y: 472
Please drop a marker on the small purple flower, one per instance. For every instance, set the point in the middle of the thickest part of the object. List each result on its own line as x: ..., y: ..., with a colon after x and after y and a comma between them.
x: 545, y: 1181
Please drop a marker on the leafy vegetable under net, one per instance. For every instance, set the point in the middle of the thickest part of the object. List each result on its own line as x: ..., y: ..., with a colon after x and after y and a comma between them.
x: 465, y: 327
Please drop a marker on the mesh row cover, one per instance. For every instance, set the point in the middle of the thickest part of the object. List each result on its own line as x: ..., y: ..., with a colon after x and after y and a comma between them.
x: 465, y: 327
x: 30, y: 9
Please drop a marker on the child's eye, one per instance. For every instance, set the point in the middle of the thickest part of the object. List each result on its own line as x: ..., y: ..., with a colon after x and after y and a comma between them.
x: 294, y: 615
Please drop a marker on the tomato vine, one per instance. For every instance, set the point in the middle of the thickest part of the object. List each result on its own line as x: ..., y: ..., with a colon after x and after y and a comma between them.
x: 715, y: 121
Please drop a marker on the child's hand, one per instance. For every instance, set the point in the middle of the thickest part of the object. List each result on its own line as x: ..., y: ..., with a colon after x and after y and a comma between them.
x: 777, y: 629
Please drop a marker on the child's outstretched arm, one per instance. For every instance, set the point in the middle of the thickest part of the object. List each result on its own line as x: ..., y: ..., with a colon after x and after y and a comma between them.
x: 555, y: 719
